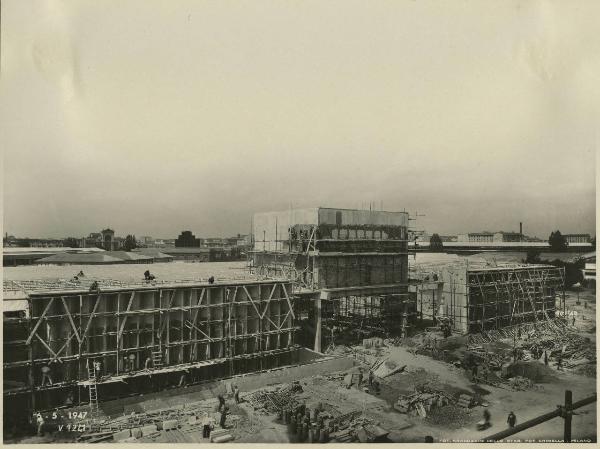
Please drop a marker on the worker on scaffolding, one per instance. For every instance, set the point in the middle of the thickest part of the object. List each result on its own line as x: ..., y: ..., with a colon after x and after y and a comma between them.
x: 97, y: 369
x: 94, y: 287
x: 46, y: 375
x: 211, y: 280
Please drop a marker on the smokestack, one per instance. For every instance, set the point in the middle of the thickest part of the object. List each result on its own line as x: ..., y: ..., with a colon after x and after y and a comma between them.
x: 521, y: 229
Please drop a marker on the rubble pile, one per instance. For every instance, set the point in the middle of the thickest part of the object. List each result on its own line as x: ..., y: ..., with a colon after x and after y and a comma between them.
x: 521, y: 383
x: 451, y: 417
x: 423, y: 401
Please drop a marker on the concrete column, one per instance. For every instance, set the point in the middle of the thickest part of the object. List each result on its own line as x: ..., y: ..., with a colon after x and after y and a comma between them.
x: 318, y: 320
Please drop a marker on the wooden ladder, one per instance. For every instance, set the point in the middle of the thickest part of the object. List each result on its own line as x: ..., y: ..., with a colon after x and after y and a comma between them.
x: 93, y: 387
x: 157, y: 359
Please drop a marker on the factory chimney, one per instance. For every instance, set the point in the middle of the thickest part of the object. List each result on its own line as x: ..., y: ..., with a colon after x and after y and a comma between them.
x: 521, y: 230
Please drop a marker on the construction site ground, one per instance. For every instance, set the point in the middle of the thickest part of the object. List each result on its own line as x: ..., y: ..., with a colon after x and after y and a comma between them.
x: 324, y: 385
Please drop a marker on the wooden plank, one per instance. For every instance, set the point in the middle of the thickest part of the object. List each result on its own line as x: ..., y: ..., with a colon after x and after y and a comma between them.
x: 70, y: 318
x: 164, y: 323
x: 288, y: 300
x: 87, y: 327
x: 125, y: 319
x: 35, y: 328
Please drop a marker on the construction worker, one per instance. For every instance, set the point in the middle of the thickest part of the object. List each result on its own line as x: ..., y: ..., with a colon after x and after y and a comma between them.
x: 546, y: 358
x: 211, y: 280
x: 131, y: 362
x: 511, y: 420
x: 207, y: 425
x: 236, y: 394
x: 40, y: 424
x: 360, y: 378
x: 371, y: 376
x: 573, y: 319
x: 221, y: 402
x: 80, y: 274
x: 486, y: 417
x: 98, y: 369
x: 559, y: 362
x: 46, y: 374
x: 224, y: 412
x: 183, y: 379
x: 148, y: 362
x: 94, y: 287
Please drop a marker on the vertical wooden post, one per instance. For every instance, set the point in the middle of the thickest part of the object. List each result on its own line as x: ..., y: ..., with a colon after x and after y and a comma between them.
x: 568, y: 415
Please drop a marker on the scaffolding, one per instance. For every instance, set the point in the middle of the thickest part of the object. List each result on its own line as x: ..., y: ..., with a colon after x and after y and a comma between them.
x: 478, y: 298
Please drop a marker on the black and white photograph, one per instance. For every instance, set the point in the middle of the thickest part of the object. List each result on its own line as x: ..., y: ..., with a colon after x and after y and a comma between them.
x: 283, y: 221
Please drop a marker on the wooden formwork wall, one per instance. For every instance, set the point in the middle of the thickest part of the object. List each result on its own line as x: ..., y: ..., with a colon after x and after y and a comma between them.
x: 185, y: 324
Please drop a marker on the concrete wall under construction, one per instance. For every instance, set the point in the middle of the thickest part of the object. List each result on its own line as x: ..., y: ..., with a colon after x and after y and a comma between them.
x: 203, y: 330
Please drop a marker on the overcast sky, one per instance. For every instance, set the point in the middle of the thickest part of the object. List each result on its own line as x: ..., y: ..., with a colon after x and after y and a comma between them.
x: 153, y: 116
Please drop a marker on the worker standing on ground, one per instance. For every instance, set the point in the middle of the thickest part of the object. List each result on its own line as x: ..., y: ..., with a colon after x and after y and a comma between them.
x: 221, y: 405
x: 224, y: 412
x: 573, y: 319
x: 486, y: 418
x: 206, y: 425
x: 46, y: 375
x: 40, y: 424
x: 559, y: 362
x: 546, y: 358
x: 511, y: 420
x: 236, y: 394
x: 360, y: 377
x: 371, y: 375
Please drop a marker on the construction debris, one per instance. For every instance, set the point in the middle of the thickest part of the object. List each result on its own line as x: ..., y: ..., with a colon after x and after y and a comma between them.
x: 275, y: 401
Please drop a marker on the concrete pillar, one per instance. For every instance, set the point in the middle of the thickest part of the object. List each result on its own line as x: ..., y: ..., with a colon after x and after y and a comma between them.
x: 318, y: 320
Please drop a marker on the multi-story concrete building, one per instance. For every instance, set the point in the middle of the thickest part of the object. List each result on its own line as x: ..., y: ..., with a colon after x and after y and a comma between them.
x: 349, y: 267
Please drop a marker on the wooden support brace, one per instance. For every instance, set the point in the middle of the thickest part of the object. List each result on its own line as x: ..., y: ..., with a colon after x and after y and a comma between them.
x: 125, y: 319
x: 87, y: 327
x: 288, y: 300
x: 46, y: 345
x: 35, y: 328
x: 70, y: 319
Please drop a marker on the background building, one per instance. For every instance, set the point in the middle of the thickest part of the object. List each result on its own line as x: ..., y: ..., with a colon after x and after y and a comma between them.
x: 187, y: 240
